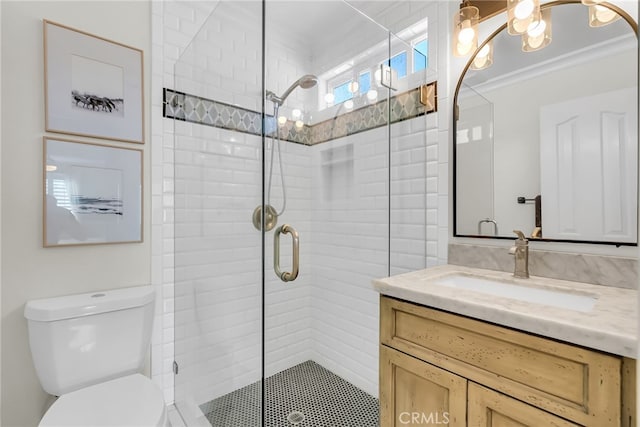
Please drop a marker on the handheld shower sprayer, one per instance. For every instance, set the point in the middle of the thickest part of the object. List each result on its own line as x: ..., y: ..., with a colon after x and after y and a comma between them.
x: 305, y: 82
x: 271, y: 214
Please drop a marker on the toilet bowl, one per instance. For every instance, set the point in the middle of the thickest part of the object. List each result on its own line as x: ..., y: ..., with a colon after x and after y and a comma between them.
x: 133, y: 400
x: 89, y: 349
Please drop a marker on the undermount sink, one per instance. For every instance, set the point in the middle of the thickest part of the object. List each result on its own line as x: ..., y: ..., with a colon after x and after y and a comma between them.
x: 559, y: 298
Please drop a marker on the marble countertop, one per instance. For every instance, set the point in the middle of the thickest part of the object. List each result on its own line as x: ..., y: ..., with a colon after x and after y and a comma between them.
x: 610, y: 326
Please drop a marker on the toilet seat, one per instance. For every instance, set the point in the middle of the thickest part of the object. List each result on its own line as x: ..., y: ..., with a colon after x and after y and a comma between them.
x: 131, y: 401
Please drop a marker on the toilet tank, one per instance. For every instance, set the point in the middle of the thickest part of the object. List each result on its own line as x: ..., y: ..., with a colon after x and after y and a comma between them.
x: 85, y: 339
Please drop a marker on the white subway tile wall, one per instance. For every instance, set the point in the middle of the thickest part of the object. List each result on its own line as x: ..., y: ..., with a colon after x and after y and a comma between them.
x: 337, y: 198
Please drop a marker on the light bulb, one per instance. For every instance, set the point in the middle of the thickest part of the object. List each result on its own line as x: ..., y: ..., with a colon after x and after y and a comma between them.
x: 480, y: 61
x: 484, y: 51
x: 536, y: 28
x: 484, y: 57
x: 296, y: 113
x: 299, y: 124
x: 464, y: 49
x: 329, y: 98
x: 282, y: 120
x: 604, y: 14
x: 524, y: 9
x: 51, y: 168
x: 348, y: 104
x: 372, y: 95
x: 535, y: 41
x: 466, y: 34
x: 354, y: 86
x: 378, y: 75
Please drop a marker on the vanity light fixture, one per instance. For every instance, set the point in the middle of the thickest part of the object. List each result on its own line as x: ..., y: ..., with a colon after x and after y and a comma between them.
x: 538, y: 33
x: 484, y: 58
x: 599, y: 16
x: 465, y: 29
x: 524, y: 17
x: 520, y: 14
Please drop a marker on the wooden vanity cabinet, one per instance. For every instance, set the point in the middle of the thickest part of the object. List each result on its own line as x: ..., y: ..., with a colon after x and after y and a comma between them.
x: 439, y: 368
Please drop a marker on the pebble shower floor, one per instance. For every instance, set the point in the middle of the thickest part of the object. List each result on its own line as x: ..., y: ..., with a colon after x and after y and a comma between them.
x: 323, y: 398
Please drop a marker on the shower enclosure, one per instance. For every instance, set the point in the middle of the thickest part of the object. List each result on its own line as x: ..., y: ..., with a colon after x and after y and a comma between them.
x: 299, y: 176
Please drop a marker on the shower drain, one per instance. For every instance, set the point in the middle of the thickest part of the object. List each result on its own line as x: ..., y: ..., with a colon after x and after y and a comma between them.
x: 295, y: 417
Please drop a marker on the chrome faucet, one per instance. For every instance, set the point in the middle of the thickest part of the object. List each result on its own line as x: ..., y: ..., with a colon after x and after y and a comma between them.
x: 521, y: 253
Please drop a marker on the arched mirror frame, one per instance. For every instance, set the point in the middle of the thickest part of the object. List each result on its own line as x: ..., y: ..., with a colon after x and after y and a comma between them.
x: 634, y: 26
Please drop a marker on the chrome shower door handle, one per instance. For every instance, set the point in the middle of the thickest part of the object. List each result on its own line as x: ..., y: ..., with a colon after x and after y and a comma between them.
x: 286, y: 276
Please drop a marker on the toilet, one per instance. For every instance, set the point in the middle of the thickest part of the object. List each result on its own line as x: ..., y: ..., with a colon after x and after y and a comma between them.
x: 88, y: 349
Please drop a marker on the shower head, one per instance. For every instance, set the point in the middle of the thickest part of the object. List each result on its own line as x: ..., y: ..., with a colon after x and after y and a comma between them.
x: 305, y: 82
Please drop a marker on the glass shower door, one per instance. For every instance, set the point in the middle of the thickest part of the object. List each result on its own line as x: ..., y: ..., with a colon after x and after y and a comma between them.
x: 326, y: 177
x: 217, y: 103
x: 287, y: 108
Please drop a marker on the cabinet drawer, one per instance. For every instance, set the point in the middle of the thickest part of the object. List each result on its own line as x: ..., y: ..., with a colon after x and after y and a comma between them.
x: 573, y: 382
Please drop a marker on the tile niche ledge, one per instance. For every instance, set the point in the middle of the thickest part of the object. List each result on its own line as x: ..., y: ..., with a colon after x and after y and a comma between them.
x: 619, y: 272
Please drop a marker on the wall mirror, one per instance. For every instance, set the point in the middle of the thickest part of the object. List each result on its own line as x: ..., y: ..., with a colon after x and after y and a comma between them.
x: 547, y: 141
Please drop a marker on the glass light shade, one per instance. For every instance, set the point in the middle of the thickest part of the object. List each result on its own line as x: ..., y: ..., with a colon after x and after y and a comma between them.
x: 299, y: 124
x: 282, y: 120
x: 296, y: 113
x: 520, y: 14
x: 465, y: 31
x: 538, y: 34
x: 591, y: 2
x: 348, y: 104
x: 484, y: 58
x: 372, y: 95
x: 354, y: 86
x: 599, y: 16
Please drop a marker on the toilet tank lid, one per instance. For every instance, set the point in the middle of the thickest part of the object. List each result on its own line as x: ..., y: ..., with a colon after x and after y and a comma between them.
x: 70, y: 306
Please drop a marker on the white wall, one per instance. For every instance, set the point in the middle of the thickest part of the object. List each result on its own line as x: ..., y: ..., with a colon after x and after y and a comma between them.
x: 30, y: 271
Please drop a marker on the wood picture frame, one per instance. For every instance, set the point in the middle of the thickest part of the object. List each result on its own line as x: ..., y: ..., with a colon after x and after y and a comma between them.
x: 92, y: 193
x: 93, y: 86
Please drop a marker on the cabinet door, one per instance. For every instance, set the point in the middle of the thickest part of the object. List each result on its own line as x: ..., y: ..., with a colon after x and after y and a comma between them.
x: 413, y: 392
x: 488, y: 408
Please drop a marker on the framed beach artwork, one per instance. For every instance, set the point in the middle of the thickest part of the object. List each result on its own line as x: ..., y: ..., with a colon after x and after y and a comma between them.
x: 93, y: 86
x: 92, y: 193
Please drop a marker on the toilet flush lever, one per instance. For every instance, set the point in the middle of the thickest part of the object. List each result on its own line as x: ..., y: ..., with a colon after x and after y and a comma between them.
x: 286, y: 276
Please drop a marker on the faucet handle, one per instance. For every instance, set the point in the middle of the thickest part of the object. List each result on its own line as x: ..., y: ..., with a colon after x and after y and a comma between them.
x: 520, y: 235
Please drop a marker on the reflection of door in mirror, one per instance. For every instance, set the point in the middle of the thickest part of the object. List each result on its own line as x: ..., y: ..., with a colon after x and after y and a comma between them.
x: 588, y: 157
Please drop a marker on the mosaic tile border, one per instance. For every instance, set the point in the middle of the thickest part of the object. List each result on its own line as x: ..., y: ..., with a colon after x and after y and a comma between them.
x: 208, y: 112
